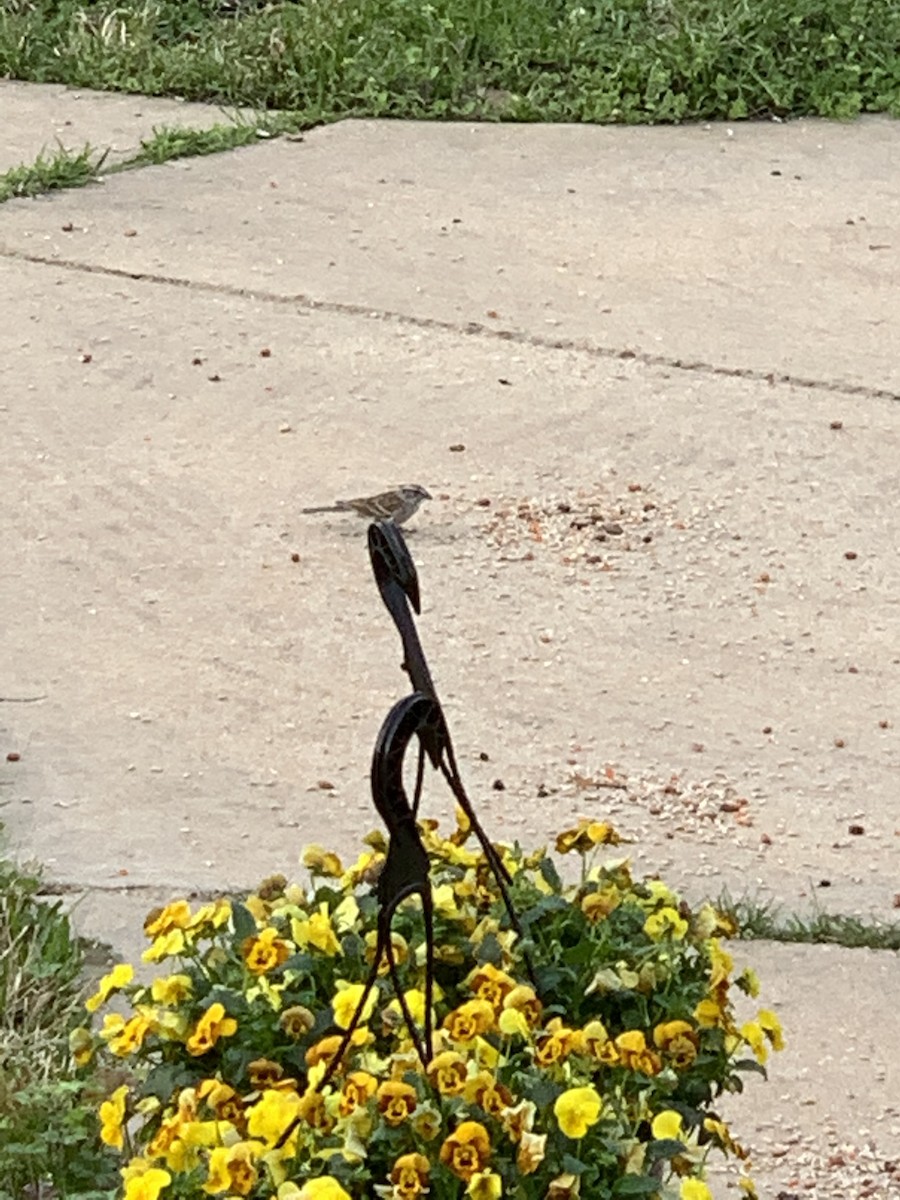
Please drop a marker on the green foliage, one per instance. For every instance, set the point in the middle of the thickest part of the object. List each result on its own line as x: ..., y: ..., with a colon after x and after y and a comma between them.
x: 768, y: 921
x: 48, y: 1124
x: 598, y: 60
x: 51, y: 171
x: 590, y: 1050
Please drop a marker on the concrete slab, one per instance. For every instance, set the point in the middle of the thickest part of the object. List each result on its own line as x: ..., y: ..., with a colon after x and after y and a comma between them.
x: 199, y: 683
x: 827, y: 1124
x: 760, y: 247
x: 652, y: 592
x: 39, y: 117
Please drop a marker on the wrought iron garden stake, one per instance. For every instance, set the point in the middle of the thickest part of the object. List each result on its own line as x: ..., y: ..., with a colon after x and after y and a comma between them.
x: 406, y: 868
x: 398, y: 582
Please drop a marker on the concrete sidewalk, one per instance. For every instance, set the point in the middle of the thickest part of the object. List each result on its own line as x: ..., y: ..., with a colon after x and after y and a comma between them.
x: 665, y: 558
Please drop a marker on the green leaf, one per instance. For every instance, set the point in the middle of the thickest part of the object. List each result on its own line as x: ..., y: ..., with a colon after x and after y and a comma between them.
x: 547, y: 868
x: 166, y: 1079
x: 636, y: 1185
x: 665, y: 1148
x: 750, y: 1064
x: 572, y: 1165
x: 243, y: 920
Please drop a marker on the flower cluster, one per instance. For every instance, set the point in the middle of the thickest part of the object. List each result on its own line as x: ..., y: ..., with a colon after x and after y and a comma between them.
x: 580, y: 1058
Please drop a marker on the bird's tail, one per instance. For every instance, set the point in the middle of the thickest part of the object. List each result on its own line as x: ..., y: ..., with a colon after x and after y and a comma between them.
x: 322, y: 508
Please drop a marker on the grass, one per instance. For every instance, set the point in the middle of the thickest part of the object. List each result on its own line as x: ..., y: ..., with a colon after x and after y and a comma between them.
x: 304, y: 63
x: 66, y: 169
x: 534, y: 60
x: 62, y: 169
x: 767, y: 921
x: 48, y: 1127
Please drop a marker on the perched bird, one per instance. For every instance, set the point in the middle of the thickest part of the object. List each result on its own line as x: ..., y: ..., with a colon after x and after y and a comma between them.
x: 397, y: 505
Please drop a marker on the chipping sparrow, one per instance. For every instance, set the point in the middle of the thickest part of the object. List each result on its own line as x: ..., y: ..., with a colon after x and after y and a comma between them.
x: 396, y: 505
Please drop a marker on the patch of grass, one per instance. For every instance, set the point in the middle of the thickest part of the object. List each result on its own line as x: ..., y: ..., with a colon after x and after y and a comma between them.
x: 578, y: 60
x: 173, y: 141
x: 767, y: 921
x: 48, y: 1125
x: 66, y: 169
x: 62, y: 169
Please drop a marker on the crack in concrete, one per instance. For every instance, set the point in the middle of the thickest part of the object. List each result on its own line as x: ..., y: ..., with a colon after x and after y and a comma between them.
x: 64, y: 887
x: 468, y: 328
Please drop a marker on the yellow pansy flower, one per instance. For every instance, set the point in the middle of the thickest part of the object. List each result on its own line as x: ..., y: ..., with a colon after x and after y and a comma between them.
x: 447, y: 1072
x: 666, y: 1125
x: 316, y: 931
x: 171, y: 990
x: 346, y: 1001
x: 710, y: 1013
x: 577, y: 1110
x: 531, y: 1152
x: 319, y: 861
x: 119, y: 976
x: 599, y: 904
x: 635, y: 1054
x: 211, y: 1026
x: 325, y: 1049
x: 555, y: 1043
x: 215, y: 915
x: 485, y: 1090
x: 771, y: 1027
x: 176, y: 915
x: 467, y: 1150
x: 523, y: 999
x: 167, y: 945
x: 112, y: 1118
x: 678, y: 1042
x: 125, y: 1037
x: 359, y: 1087
x: 396, y: 1101
x: 469, y: 1020
x: 81, y: 1046
x: 222, y: 1099
x: 272, y: 1114
x: 323, y: 1188
x: 409, y: 1175
x: 296, y: 1021
x: 265, y: 951
x: 694, y: 1189
x: 753, y: 1035
x: 586, y: 835
x: 232, y: 1169
x: 490, y: 984
x: 426, y: 1123
x: 666, y: 922
x: 593, y: 1038
x: 346, y: 914
x: 512, y: 1023
x: 147, y: 1185
x: 748, y: 982
x: 721, y: 964
x: 519, y: 1120
x: 485, y: 1185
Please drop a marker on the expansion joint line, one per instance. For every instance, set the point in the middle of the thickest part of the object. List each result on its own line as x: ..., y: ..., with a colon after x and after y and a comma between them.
x: 300, y: 300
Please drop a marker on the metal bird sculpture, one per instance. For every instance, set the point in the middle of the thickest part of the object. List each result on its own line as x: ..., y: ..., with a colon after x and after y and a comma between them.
x: 398, y: 582
x: 406, y: 868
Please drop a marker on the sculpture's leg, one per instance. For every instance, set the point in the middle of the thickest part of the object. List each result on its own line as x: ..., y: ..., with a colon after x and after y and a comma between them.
x: 345, y: 1040
x: 423, y: 1050
x: 500, y: 873
x: 428, y: 918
